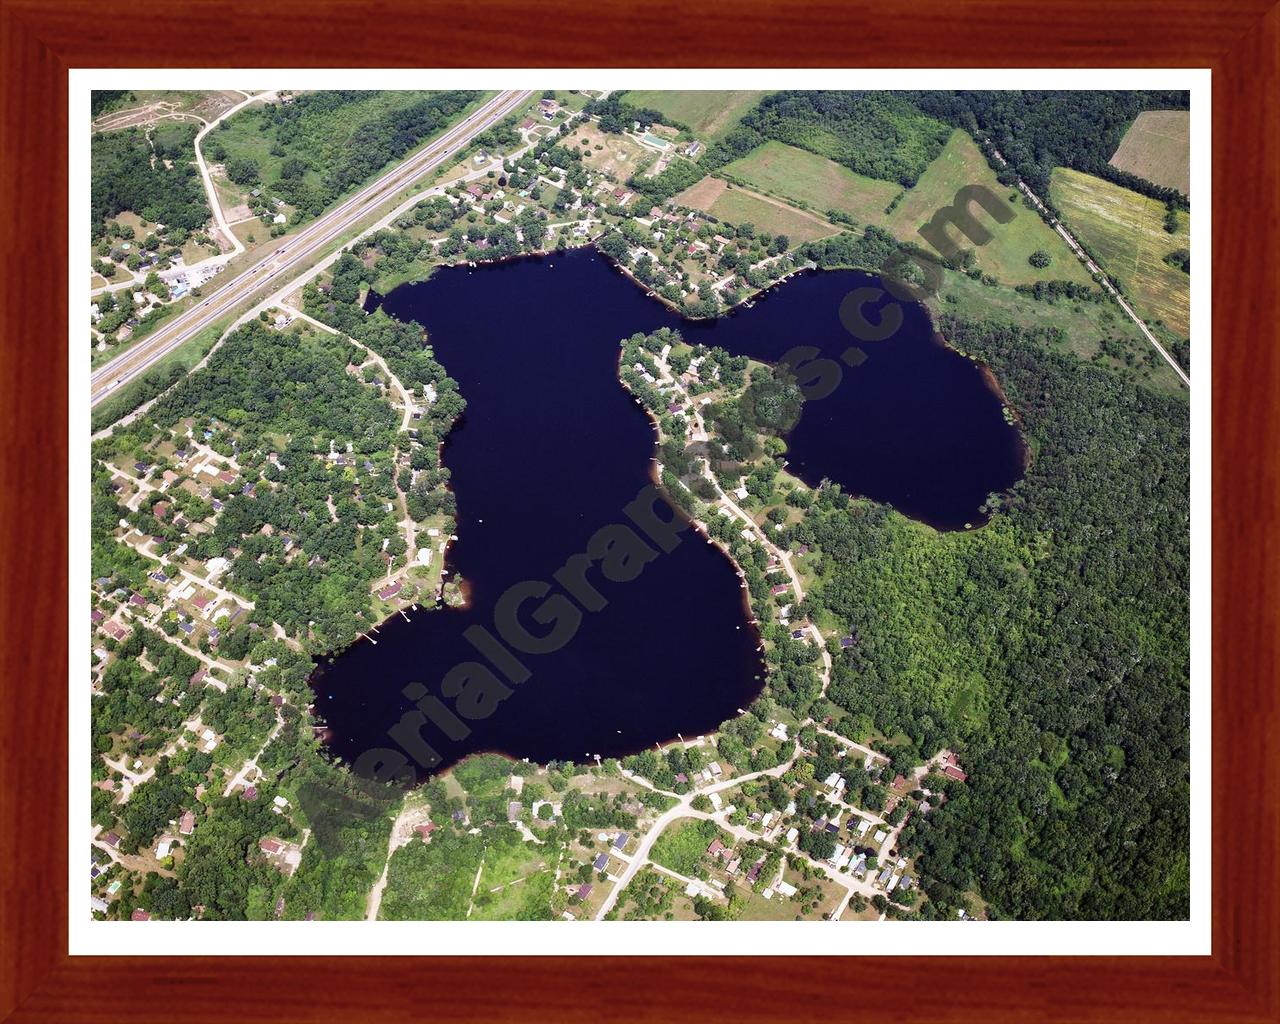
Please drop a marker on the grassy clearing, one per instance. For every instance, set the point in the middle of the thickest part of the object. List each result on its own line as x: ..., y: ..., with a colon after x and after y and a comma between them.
x: 1126, y: 233
x: 709, y: 113
x: 523, y: 875
x: 1094, y: 331
x: 1005, y: 257
x: 683, y: 844
x: 1157, y: 147
x: 617, y: 155
x: 813, y: 181
x: 702, y: 195
x: 740, y: 206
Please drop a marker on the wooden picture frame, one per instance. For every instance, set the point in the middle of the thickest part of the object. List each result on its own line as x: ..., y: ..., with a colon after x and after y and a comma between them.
x: 41, y: 39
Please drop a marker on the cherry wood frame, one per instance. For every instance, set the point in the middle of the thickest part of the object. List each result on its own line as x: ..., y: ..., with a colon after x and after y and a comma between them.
x: 41, y: 39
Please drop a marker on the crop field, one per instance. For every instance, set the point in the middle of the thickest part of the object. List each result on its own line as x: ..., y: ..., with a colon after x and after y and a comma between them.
x: 814, y: 181
x: 709, y: 113
x: 1126, y: 232
x: 1157, y: 147
x: 703, y: 194
x: 1005, y: 256
x: 740, y: 206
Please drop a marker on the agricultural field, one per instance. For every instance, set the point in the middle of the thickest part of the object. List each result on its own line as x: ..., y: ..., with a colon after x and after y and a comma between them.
x: 1157, y: 148
x: 813, y: 181
x: 1126, y: 233
x: 1006, y: 256
x: 741, y: 206
x: 709, y: 113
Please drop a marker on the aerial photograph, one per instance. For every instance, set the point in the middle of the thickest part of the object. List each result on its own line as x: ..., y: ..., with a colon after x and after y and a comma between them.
x: 635, y: 505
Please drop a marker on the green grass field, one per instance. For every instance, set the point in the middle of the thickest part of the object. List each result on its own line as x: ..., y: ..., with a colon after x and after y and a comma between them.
x: 736, y: 206
x: 814, y: 181
x: 1005, y: 257
x: 1125, y: 231
x: 821, y: 184
x: 523, y: 875
x: 1093, y: 331
x: 709, y: 113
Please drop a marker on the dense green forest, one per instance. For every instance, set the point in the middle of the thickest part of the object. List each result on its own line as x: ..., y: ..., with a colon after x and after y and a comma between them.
x: 322, y: 144
x: 128, y: 172
x: 1038, y: 131
x: 1049, y: 648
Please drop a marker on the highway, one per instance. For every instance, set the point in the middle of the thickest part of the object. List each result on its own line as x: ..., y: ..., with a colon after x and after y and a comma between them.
x: 311, y: 244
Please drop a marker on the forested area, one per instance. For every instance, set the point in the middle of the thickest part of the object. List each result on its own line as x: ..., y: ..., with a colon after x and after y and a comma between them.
x: 1038, y: 131
x: 1049, y: 648
x: 322, y: 144
x: 123, y: 176
x: 136, y: 702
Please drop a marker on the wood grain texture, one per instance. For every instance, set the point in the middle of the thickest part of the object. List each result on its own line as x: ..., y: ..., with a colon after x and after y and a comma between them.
x: 40, y: 41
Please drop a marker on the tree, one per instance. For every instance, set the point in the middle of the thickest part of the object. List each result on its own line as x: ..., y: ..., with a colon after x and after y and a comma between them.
x: 1040, y: 259
x: 819, y: 844
x: 242, y: 171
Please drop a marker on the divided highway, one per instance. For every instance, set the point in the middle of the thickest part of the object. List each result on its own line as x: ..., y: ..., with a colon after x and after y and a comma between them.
x: 311, y: 244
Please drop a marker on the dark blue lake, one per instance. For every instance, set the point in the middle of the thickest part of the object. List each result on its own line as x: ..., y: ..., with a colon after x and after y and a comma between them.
x: 552, y: 449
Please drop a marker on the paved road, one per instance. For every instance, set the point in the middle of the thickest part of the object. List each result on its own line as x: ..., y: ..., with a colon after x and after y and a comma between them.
x: 310, y: 245
x: 682, y: 809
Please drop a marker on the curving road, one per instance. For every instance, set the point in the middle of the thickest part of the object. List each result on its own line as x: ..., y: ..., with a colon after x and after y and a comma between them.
x: 310, y: 245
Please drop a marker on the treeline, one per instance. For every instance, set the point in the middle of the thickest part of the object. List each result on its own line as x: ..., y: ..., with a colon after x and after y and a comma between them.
x: 617, y: 115
x: 1038, y: 131
x: 1050, y: 649
x: 124, y: 177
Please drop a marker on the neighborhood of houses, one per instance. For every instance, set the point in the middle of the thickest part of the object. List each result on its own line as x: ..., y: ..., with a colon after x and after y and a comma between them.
x: 816, y: 851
